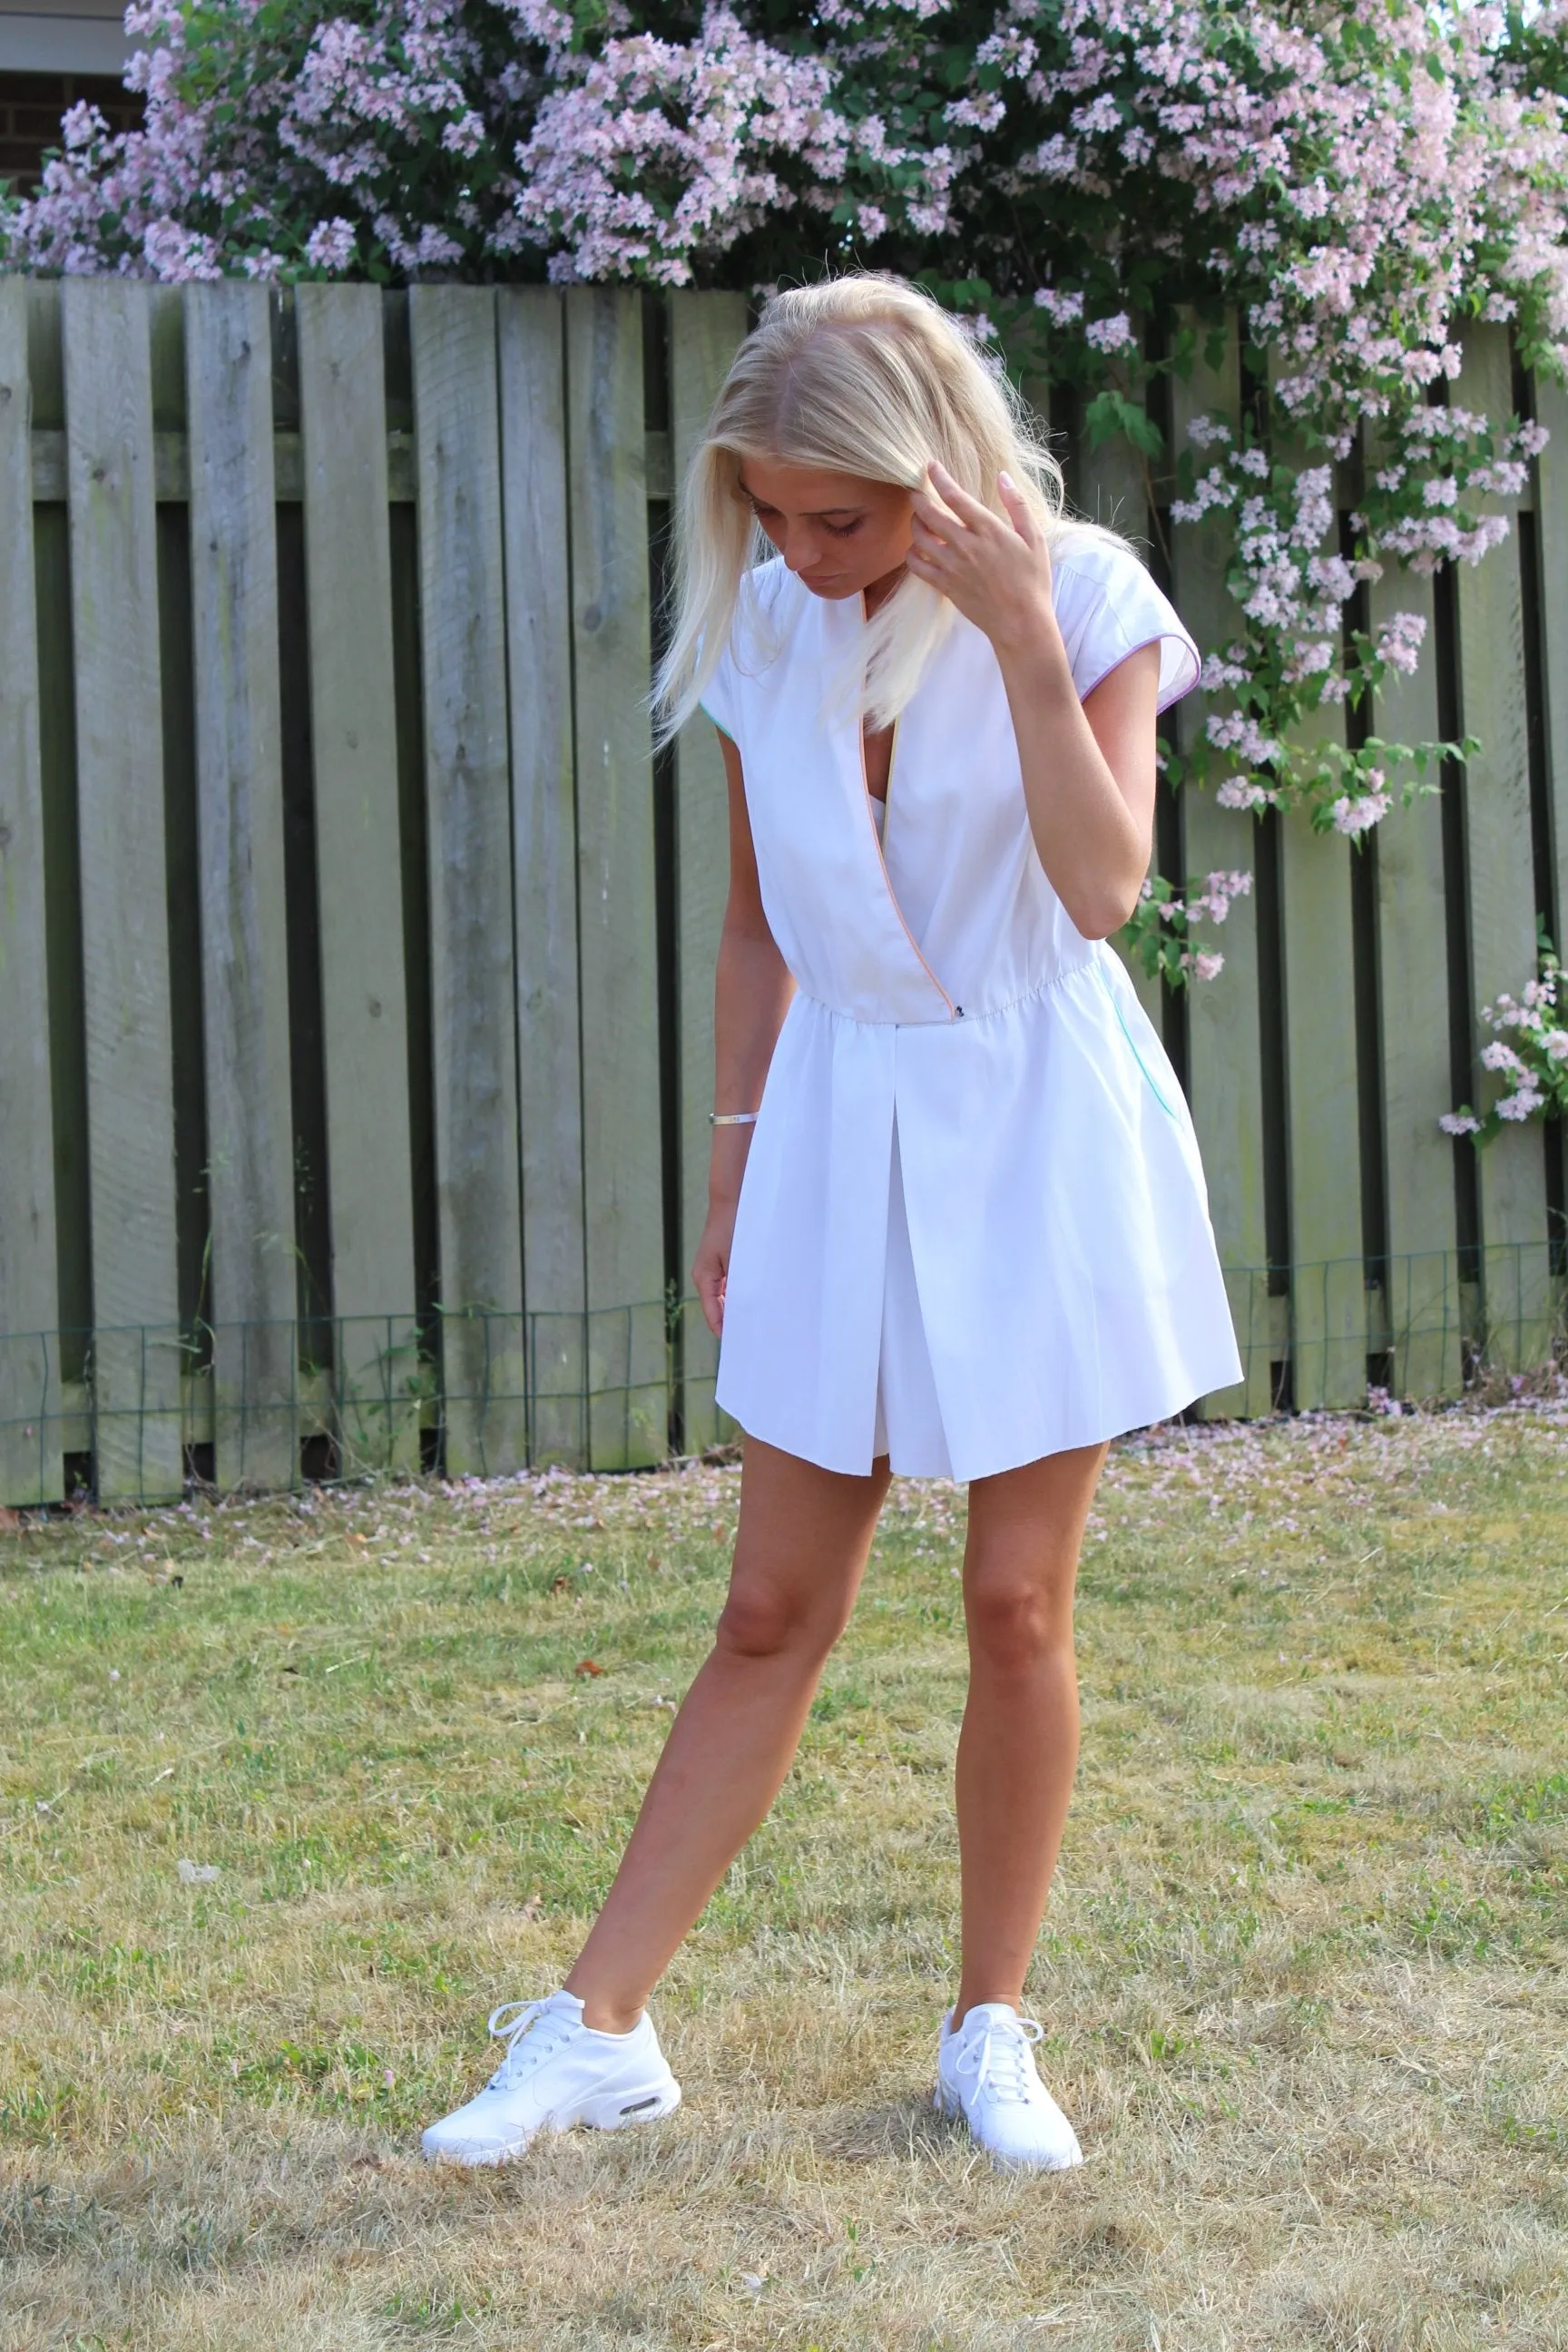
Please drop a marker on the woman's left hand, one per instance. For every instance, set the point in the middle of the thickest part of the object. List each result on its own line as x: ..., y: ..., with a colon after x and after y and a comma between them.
x: 996, y: 571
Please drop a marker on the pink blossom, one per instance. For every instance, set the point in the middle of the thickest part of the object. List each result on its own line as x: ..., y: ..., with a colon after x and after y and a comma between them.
x: 1357, y: 815
x: 1063, y: 309
x: 1110, y: 334
x: 332, y: 245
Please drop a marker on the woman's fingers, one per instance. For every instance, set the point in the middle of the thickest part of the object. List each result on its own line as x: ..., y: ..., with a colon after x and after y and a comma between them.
x: 1019, y: 511
x: 708, y: 1281
x: 972, y: 511
x: 936, y: 518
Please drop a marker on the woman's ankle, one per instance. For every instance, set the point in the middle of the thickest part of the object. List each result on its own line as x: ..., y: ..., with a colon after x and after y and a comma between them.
x: 605, y: 2015
x: 606, y: 2021
x: 966, y: 2001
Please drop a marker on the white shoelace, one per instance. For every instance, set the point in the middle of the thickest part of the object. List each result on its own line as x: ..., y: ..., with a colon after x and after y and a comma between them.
x: 529, y: 2034
x: 999, y: 2058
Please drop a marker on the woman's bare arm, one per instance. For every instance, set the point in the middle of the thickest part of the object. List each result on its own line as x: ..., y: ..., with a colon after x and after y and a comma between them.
x: 1088, y: 767
x: 752, y: 993
x: 1089, y: 775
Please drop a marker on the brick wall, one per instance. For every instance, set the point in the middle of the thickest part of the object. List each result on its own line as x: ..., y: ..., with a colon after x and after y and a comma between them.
x: 31, y: 106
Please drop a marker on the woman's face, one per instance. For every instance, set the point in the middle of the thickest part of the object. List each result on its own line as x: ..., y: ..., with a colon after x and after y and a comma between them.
x: 839, y: 534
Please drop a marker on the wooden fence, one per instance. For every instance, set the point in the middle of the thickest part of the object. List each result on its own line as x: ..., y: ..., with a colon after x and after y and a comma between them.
x: 356, y: 955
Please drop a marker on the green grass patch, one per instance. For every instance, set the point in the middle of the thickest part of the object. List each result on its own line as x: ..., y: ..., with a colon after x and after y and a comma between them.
x: 1302, y: 1980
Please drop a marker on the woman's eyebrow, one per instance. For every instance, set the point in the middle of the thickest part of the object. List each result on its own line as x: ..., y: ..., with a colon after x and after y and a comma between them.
x: 815, y: 514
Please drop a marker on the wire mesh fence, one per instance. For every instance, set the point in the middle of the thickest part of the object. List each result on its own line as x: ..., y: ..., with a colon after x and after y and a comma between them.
x: 140, y: 1413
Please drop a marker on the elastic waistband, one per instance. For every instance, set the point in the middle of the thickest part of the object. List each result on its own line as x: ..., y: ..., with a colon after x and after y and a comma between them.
x: 962, y: 1017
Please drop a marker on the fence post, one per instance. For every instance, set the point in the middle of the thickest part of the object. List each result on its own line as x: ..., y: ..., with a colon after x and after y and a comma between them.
x: 473, y: 983
x: 1423, y: 1307
x: 364, y: 1010
x: 243, y: 924
x: 622, y: 1151
x: 530, y: 326
x: 136, y: 1359
x: 30, y: 1467
x: 1328, y: 1340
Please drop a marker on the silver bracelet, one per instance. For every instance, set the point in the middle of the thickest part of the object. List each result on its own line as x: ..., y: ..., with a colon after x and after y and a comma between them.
x: 732, y: 1119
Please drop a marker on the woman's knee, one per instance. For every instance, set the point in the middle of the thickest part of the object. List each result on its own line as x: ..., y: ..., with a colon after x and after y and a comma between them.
x: 1016, y: 1620
x: 764, y: 1621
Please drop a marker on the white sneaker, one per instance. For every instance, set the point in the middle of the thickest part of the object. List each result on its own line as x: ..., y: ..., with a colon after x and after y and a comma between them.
x: 985, y: 2072
x: 557, y: 2071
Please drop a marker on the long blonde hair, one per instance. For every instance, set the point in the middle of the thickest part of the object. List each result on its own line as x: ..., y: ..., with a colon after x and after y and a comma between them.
x: 866, y: 375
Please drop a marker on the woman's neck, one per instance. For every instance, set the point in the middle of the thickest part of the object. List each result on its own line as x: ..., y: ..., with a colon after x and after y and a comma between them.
x: 877, y: 596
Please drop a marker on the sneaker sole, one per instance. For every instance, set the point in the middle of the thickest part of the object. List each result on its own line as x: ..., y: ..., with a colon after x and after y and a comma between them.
x: 619, y: 2109
x: 616, y: 2111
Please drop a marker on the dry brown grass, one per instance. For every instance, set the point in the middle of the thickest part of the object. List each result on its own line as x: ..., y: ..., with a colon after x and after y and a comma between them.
x: 1302, y: 1981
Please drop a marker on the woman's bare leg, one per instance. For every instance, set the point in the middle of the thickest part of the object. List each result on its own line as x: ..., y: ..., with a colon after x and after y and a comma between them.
x: 1018, y: 1748
x: 800, y: 1553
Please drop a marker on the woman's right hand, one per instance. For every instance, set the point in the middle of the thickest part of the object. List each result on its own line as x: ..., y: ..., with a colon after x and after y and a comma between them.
x: 710, y: 1267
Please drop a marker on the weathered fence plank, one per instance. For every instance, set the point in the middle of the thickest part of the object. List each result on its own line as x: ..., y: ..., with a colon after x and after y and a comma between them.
x: 526, y: 479
x: 120, y: 808
x: 623, y: 1176
x: 244, y: 923
x: 72, y: 1272
x: 1328, y: 1296
x: 29, y: 1301
x: 1551, y: 510
x: 359, y: 883
x: 531, y: 326
x: 1225, y: 1047
x: 1422, y: 1294
x: 1513, y: 1170
x: 473, y: 978
x: 705, y: 330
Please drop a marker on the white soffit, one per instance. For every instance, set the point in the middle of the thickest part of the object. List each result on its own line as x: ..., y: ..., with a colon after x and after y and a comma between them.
x: 63, y: 37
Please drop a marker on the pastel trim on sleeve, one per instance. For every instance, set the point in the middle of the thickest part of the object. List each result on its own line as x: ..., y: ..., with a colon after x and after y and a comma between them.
x: 1108, y: 607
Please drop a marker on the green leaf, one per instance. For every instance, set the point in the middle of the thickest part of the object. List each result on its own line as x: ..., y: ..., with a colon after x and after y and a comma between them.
x: 1112, y: 412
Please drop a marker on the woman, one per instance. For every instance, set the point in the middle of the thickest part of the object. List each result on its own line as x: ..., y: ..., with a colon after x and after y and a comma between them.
x: 957, y: 1224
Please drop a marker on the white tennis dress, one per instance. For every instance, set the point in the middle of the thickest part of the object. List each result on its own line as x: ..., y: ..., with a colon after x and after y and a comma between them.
x: 974, y: 1228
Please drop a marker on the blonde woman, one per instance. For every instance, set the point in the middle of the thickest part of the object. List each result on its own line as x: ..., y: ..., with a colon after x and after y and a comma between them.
x: 958, y: 1227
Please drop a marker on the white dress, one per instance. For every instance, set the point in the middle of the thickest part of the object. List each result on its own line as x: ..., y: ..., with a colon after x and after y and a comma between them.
x: 974, y: 1228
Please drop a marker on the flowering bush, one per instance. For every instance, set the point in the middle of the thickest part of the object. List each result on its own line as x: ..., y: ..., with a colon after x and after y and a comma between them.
x: 1160, y: 933
x: 1532, y: 1069
x: 408, y: 136
x: 1096, y: 182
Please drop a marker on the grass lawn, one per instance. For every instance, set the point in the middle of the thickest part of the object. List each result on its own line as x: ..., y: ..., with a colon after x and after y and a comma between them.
x: 1302, y: 1983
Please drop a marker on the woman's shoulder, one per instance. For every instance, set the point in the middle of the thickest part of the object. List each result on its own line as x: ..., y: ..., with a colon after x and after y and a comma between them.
x: 1089, y: 565
x: 1109, y: 604
x: 765, y: 605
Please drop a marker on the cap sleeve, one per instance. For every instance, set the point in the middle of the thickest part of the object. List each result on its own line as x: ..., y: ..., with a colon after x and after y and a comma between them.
x: 750, y: 646
x: 719, y: 696
x: 1108, y: 607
